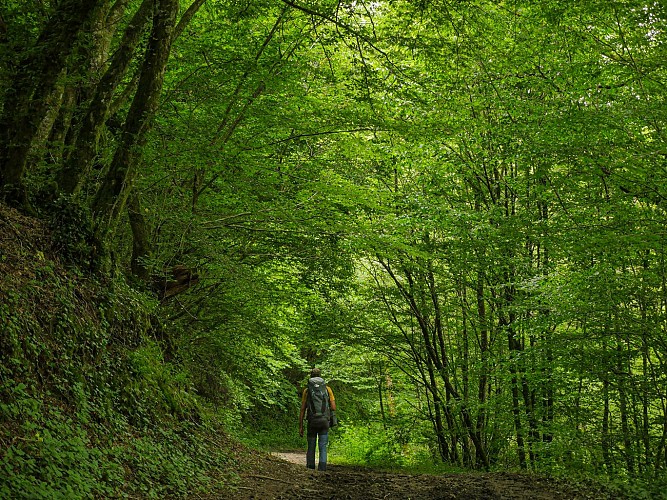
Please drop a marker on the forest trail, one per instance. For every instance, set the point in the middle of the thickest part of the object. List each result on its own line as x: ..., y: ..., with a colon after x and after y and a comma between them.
x: 282, y: 475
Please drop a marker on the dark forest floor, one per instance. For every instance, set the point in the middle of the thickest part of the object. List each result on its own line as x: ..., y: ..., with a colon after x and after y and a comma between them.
x: 284, y: 476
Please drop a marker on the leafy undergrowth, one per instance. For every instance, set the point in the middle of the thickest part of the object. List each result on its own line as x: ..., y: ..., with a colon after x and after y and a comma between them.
x: 89, y: 407
x: 52, y: 454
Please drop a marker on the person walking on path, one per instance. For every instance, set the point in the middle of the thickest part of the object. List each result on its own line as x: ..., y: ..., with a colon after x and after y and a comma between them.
x: 318, y: 403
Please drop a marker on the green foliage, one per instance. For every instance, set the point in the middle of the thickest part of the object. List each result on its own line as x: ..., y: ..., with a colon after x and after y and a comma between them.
x: 155, y: 388
x: 173, y: 462
x: 370, y: 445
x: 458, y: 213
x: 88, y: 405
x: 50, y: 455
x: 56, y: 455
x: 72, y: 233
x: 272, y: 429
x: 378, y: 446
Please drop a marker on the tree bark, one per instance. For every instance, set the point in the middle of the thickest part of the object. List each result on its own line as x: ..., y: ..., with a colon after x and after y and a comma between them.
x: 84, y: 75
x: 26, y: 104
x: 79, y: 162
x: 112, y: 195
x: 141, y: 248
x: 623, y: 408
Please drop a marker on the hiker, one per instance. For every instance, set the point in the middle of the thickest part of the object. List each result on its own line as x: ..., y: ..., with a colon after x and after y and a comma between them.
x: 320, y: 404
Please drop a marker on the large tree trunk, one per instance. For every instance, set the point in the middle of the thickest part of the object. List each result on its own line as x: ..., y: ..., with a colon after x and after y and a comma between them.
x: 27, y: 102
x: 83, y: 153
x: 111, y: 197
x: 57, y: 133
x: 79, y: 161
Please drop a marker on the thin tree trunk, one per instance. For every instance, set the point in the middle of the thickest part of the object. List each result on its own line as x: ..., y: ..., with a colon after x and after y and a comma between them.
x: 440, y: 363
x: 391, y: 404
x: 484, y: 356
x: 623, y: 408
x: 465, y: 369
x: 517, y: 371
x: 141, y: 248
x: 544, y: 267
x: 645, y: 397
x: 437, y: 404
x: 431, y: 401
x: 516, y: 412
x: 529, y: 408
x: 661, y: 449
x: 187, y: 17
x: 380, y: 383
x: 482, y: 328
x: 606, y: 437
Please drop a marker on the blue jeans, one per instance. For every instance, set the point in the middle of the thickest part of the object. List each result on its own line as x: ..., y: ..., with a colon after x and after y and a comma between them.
x: 313, y: 438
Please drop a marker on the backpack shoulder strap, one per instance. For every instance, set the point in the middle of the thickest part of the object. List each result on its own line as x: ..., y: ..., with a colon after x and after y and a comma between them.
x: 310, y: 403
x: 325, y: 399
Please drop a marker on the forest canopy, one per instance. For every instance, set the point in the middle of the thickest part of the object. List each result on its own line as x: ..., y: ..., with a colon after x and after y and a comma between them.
x: 456, y: 209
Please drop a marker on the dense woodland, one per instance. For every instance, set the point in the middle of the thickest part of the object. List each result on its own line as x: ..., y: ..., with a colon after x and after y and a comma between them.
x: 456, y: 209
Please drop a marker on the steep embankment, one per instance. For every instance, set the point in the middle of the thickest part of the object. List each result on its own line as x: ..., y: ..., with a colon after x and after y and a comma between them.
x: 88, y: 405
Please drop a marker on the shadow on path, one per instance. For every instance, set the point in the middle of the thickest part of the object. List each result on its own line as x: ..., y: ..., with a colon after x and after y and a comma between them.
x: 283, y: 475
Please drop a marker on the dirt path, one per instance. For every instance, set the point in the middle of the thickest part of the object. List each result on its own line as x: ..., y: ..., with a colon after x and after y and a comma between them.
x: 294, y: 457
x: 283, y: 475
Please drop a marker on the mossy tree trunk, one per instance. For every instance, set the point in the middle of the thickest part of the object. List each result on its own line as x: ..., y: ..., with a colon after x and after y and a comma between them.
x: 27, y: 101
x: 82, y: 155
x: 84, y: 149
x: 112, y: 195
